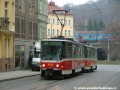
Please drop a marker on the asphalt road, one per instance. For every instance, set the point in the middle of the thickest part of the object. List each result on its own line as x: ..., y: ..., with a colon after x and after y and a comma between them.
x: 107, y: 77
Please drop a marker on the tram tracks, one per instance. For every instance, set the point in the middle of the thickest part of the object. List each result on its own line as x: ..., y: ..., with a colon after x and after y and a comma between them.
x: 69, y: 84
x: 76, y: 82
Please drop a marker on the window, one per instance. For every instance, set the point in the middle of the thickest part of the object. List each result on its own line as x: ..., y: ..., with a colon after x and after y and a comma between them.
x: 48, y: 20
x: 30, y: 29
x: 69, y: 22
x: 57, y: 32
x: 53, y: 21
x: 30, y: 48
x: 19, y: 4
x: 15, y: 4
x: 48, y: 31
x: 90, y: 36
x: 57, y: 22
x: 23, y: 5
x: 93, y: 36
x: 17, y: 27
x: 33, y: 34
x: 6, y: 5
x: 62, y: 21
x: 31, y: 7
x: 22, y: 28
x: 7, y: 48
x: 68, y: 50
x: 69, y: 32
x: 53, y: 32
x: 65, y: 32
x: 65, y: 22
x: 34, y: 30
x: 6, y: 9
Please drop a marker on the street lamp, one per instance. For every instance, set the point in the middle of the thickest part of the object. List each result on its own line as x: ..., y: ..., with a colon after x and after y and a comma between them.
x: 108, y: 45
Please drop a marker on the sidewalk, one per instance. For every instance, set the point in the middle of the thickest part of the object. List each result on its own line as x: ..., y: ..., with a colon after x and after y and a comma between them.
x: 5, y: 76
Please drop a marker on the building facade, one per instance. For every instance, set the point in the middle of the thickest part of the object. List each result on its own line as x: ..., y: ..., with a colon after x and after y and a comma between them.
x: 54, y: 26
x: 26, y: 31
x: 7, y: 29
x: 42, y: 17
x: 89, y: 36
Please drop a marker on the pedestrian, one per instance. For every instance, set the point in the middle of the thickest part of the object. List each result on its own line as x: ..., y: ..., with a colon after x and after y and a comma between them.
x: 30, y: 60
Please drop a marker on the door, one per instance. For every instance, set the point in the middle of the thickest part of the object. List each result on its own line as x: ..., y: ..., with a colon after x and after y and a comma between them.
x: 20, y: 58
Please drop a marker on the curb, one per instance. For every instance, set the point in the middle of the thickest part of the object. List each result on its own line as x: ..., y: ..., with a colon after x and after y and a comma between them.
x: 9, y: 79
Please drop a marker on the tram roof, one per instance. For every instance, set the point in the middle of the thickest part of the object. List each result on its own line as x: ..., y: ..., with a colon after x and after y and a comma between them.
x: 57, y: 40
x: 64, y: 40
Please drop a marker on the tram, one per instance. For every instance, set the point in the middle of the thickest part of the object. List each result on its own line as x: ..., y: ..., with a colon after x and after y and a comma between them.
x: 61, y: 57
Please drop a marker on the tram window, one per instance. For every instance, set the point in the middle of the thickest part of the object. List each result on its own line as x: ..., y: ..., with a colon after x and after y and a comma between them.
x: 82, y: 51
x: 76, y: 51
x: 68, y: 50
x: 89, y: 52
x: 63, y: 51
x: 51, y: 50
x: 85, y: 52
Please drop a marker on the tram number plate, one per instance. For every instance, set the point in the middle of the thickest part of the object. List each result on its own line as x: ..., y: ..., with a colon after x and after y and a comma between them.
x: 50, y: 64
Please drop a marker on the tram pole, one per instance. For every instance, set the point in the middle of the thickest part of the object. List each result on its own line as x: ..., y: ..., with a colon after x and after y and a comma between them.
x: 108, y: 45
x: 62, y: 24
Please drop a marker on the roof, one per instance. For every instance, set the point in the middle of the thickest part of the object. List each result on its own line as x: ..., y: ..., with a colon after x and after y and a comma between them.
x: 52, y: 6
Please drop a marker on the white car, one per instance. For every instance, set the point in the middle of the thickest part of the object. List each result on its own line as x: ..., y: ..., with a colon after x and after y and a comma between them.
x: 36, y: 61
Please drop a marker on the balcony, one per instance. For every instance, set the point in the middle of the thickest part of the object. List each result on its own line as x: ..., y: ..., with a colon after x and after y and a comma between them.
x: 4, y: 23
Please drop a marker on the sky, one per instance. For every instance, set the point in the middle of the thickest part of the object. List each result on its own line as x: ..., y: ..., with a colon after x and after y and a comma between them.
x: 62, y: 2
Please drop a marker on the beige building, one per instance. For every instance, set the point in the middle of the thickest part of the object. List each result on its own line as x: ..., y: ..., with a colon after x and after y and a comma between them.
x: 7, y: 28
x: 54, y: 26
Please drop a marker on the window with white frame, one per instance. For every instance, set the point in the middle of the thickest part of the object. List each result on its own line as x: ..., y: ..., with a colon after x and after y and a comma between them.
x: 65, y: 22
x: 69, y: 22
x: 48, y: 31
x: 62, y: 21
x: 57, y: 32
x: 65, y: 32
x: 57, y: 22
x: 53, y: 32
x: 48, y: 20
x: 53, y: 21
x: 6, y: 9
x: 69, y: 32
x: 7, y: 47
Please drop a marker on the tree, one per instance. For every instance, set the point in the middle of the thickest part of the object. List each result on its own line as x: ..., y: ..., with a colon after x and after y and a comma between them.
x: 95, y: 27
x: 113, y: 30
x: 90, y: 26
x: 101, y: 25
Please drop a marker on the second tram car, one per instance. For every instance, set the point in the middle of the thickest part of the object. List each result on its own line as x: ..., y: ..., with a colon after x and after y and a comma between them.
x: 66, y: 57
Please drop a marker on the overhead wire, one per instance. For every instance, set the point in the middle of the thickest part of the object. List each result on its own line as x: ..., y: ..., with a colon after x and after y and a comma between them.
x: 99, y: 10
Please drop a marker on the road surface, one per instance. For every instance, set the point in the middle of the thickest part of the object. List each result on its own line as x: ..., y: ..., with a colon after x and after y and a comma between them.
x: 107, y: 77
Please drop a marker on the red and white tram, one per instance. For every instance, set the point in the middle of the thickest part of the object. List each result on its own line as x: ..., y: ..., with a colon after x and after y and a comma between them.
x: 65, y: 57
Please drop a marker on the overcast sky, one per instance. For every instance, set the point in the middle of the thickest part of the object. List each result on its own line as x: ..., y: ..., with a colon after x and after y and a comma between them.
x: 62, y: 2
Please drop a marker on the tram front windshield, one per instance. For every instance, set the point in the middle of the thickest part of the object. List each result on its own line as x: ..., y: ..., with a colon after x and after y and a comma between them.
x: 51, y: 50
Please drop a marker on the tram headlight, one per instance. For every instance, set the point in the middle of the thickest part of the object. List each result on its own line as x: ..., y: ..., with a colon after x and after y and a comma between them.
x: 61, y: 66
x: 43, y: 65
x: 57, y: 65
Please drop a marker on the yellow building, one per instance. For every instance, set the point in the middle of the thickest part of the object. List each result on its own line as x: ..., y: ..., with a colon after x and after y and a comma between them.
x: 54, y: 26
x: 7, y: 28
